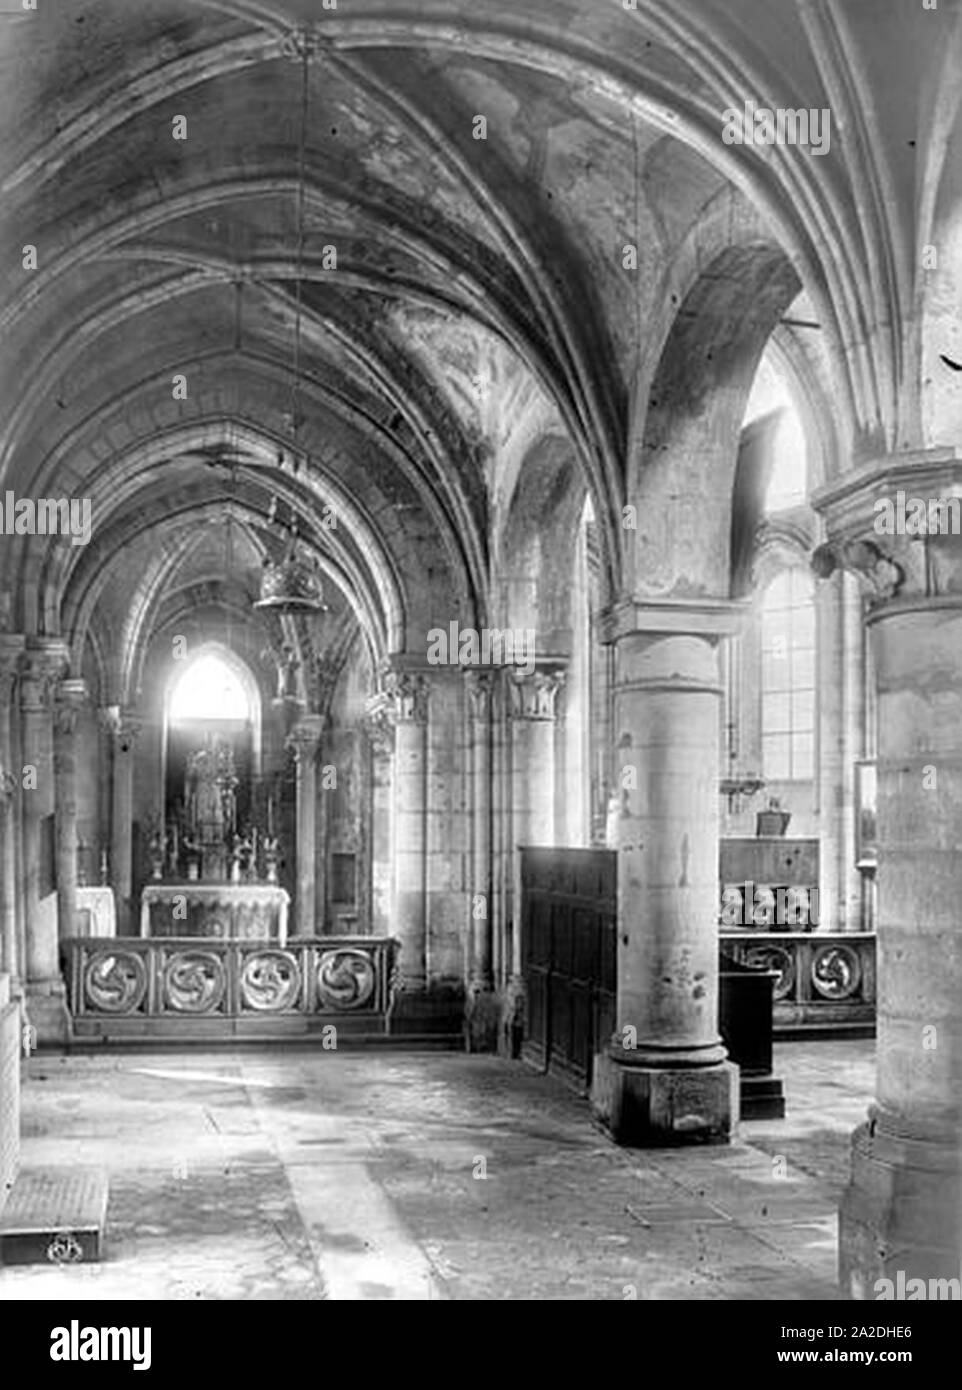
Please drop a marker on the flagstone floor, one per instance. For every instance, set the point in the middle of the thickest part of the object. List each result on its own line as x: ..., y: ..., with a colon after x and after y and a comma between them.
x: 302, y: 1174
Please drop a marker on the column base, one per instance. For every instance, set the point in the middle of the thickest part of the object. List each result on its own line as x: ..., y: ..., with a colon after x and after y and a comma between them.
x: 46, y: 1010
x: 901, y: 1215
x: 648, y: 1107
x: 482, y: 1020
x: 426, y: 1010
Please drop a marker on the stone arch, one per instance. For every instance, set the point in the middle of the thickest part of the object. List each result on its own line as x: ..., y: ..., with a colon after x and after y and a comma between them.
x: 533, y: 547
x: 683, y: 460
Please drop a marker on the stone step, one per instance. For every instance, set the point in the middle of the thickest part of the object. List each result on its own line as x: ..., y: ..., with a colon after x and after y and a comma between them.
x: 54, y: 1216
x: 85, y: 1044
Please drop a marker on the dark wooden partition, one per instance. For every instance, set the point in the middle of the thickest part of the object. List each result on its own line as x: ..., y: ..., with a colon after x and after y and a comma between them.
x: 569, y: 951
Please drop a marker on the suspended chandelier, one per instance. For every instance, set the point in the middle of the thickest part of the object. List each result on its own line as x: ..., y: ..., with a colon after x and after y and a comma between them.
x: 292, y: 583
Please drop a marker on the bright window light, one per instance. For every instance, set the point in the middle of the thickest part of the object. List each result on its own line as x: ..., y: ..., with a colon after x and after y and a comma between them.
x: 209, y: 689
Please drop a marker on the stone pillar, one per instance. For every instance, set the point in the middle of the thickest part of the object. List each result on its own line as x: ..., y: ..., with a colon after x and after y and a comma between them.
x: 409, y: 695
x: 11, y: 948
x: 379, y: 728
x: 106, y: 721
x: 304, y: 738
x: 46, y: 661
x: 124, y: 726
x: 482, y: 1016
x: 902, y: 1211
x: 839, y: 702
x: 70, y: 699
x: 532, y: 702
x: 665, y: 1078
x: 853, y: 734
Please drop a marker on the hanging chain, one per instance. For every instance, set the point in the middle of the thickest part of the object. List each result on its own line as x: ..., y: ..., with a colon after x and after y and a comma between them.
x: 305, y: 48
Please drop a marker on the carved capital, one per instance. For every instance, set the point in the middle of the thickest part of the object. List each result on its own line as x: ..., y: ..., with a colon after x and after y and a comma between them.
x: 44, y: 665
x: 379, y: 725
x: 304, y: 738
x: 480, y: 687
x: 11, y: 655
x: 879, y: 576
x: 534, y: 696
x: 123, y: 726
x: 409, y: 693
x: 896, y: 524
x: 70, y: 698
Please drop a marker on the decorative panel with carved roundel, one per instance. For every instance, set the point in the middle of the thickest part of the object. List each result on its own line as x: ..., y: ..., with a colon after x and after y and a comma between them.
x: 270, y: 981
x: 194, y: 982
x: 115, y: 982
x: 345, y: 979
x: 836, y: 972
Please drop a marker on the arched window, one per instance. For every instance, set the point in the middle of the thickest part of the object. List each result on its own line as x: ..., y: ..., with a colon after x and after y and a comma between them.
x: 788, y: 678
x: 209, y: 689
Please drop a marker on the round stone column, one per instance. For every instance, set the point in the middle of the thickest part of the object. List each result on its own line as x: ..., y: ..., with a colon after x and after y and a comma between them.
x: 532, y: 705
x: 481, y: 1012
x: 11, y: 951
x: 124, y: 727
x: 70, y: 698
x: 409, y: 693
x: 304, y: 738
x: 379, y: 729
x: 665, y: 1078
x: 901, y: 1215
x: 903, y: 1208
x: 46, y: 661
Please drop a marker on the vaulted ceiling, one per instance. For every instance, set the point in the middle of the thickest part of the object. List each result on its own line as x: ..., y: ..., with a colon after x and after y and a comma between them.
x: 479, y: 304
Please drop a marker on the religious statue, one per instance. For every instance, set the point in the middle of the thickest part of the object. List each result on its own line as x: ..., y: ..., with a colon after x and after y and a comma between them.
x: 236, y: 860
x: 155, y: 848
x: 271, y: 856
x: 202, y: 794
x: 210, y: 801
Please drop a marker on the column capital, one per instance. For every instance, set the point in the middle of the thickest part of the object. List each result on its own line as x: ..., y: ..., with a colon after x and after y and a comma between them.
x: 305, y: 736
x: 122, y: 724
x: 480, y: 687
x: 534, y: 696
x: 70, y: 699
x: 896, y: 524
x: 12, y: 647
x: 46, y: 661
x: 710, y: 618
x: 379, y: 724
x: 409, y: 693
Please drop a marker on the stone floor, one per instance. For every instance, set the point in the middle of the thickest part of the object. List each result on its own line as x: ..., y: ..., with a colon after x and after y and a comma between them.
x: 303, y: 1174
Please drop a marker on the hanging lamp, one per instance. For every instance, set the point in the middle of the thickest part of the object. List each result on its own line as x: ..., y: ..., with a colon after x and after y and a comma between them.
x: 292, y: 583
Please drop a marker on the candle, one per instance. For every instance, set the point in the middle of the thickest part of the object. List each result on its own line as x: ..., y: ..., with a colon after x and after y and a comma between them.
x: 270, y: 816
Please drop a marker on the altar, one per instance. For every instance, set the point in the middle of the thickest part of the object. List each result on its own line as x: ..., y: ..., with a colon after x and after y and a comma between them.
x: 227, y: 911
